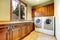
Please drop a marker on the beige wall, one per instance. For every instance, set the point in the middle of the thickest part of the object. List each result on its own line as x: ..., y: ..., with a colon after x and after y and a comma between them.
x: 29, y: 12
x: 57, y: 18
x: 4, y: 10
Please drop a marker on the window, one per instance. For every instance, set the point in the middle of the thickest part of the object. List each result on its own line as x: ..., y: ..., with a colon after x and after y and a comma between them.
x: 15, y: 9
x: 23, y: 11
x: 18, y: 10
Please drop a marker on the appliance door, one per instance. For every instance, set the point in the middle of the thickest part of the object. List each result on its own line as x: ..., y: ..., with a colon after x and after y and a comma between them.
x: 38, y: 22
x: 49, y: 26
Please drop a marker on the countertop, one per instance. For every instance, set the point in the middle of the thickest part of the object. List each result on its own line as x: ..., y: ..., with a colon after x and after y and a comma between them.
x: 11, y: 22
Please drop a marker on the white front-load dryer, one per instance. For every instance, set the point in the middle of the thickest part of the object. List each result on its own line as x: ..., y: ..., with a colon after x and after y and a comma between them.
x: 48, y: 25
x: 38, y: 24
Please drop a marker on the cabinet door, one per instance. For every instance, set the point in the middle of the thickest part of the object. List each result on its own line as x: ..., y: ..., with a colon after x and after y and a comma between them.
x: 31, y: 27
x: 19, y: 31
x: 28, y: 27
x: 3, y: 35
x: 15, y: 32
x: 4, y: 32
x: 23, y: 30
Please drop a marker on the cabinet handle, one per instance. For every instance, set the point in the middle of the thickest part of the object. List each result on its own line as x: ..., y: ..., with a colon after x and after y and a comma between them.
x: 2, y: 28
x: 13, y: 27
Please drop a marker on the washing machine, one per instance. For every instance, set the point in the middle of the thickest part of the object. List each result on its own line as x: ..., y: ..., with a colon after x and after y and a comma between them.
x: 38, y: 24
x: 48, y: 25
x: 44, y: 25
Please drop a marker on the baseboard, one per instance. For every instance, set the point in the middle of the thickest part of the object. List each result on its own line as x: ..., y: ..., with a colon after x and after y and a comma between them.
x: 55, y: 37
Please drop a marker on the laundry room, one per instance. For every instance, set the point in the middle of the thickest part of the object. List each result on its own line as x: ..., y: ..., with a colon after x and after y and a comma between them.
x: 44, y: 18
x: 29, y: 20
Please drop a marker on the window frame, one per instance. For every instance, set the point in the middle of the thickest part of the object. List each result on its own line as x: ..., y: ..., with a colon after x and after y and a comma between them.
x: 19, y: 17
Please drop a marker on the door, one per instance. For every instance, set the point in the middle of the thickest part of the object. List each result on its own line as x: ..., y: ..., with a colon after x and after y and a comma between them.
x: 3, y: 34
x: 24, y: 29
x: 15, y: 32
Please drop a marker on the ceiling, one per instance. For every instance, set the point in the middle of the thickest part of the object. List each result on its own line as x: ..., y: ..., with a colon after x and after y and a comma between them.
x: 37, y: 2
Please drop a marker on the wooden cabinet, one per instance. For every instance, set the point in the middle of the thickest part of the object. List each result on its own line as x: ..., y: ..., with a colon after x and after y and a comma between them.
x: 30, y: 27
x: 47, y: 10
x: 3, y: 35
x: 3, y: 32
x: 24, y: 29
x: 15, y: 31
x: 19, y: 31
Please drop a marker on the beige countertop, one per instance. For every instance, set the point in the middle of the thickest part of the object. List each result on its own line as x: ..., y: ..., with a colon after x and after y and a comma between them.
x: 11, y: 22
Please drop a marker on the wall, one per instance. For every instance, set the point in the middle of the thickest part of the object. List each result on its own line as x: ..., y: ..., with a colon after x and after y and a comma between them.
x: 4, y: 10
x: 29, y: 12
x: 47, y: 10
x: 57, y: 15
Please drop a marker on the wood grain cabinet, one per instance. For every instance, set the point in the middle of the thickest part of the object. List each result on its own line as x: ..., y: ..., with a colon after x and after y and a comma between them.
x: 23, y: 28
x: 19, y: 31
x: 15, y: 31
x: 47, y: 10
x: 26, y: 28
x: 3, y: 32
x: 15, y: 34
x: 30, y: 27
x: 3, y: 35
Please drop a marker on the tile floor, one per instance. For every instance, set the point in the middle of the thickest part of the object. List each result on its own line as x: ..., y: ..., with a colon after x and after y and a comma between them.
x: 39, y: 36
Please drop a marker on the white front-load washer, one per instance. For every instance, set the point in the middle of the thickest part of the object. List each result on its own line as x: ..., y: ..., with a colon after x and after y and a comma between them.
x: 48, y: 25
x: 38, y: 24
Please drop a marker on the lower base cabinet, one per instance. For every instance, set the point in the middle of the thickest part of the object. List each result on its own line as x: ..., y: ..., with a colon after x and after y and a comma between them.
x: 16, y: 31
x: 30, y: 27
x: 15, y: 34
x: 3, y: 35
x: 4, y: 32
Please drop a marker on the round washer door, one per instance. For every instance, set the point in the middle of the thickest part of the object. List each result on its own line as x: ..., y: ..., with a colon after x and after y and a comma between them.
x: 48, y: 21
x: 38, y: 21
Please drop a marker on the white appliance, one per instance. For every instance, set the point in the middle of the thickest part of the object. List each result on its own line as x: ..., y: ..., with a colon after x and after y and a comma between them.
x: 38, y: 24
x: 48, y: 25
x: 44, y: 24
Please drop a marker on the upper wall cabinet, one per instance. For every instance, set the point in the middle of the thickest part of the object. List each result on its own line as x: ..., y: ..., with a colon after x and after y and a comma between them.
x: 4, y: 10
x: 47, y: 10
